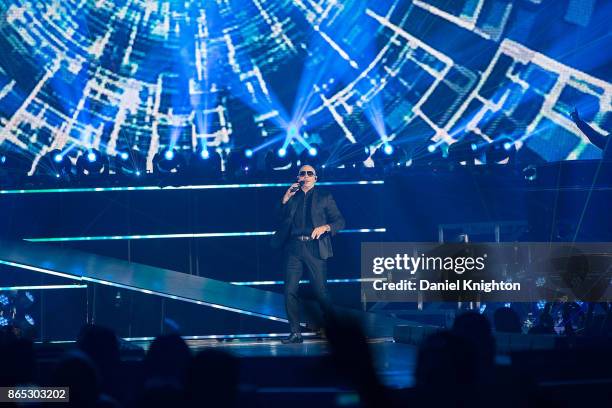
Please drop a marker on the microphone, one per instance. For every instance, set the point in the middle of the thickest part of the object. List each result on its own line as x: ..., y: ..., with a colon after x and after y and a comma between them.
x: 294, y: 189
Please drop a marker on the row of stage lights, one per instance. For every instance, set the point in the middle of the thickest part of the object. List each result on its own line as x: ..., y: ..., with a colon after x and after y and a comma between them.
x: 92, y: 163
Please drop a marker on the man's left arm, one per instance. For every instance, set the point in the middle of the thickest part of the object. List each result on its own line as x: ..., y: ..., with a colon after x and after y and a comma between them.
x: 335, y: 220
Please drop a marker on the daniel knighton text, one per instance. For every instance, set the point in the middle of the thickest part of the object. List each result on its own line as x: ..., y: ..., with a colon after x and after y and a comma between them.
x: 413, y: 264
x: 498, y: 271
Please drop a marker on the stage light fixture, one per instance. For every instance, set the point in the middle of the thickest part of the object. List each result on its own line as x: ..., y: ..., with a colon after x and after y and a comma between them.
x: 314, y: 155
x: 16, y: 313
x: 461, y: 152
x: 500, y: 151
x: 205, y: 162
x: 203, y: 153
x: 129, y: 163
x: 4, y: 301
x: 280, y: 159
x: 169, y: 161
x: 92, y: 163
x: 55, y: 164
x: 239, y: 162
x: 387, y: 155
x: 24, y: 300
x: 424, y: 155
x: 467, y: 150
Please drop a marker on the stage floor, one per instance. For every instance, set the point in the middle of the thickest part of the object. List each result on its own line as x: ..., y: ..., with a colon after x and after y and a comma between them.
x: 394, y: 362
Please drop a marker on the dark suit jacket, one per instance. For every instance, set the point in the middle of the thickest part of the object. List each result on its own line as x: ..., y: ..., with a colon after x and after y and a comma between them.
x: 323, y: 211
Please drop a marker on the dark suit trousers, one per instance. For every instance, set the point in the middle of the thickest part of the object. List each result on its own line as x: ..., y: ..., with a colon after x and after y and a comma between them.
x: 297, y: 255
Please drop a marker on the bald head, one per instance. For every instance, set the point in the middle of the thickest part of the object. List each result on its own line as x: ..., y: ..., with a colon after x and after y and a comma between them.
x: 308, y: 176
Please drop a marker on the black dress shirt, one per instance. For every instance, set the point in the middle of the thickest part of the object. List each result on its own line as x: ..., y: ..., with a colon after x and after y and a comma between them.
x: 302, y: 219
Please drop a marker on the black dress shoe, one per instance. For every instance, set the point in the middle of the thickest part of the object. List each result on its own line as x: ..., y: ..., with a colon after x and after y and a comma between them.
x: 293, y: 338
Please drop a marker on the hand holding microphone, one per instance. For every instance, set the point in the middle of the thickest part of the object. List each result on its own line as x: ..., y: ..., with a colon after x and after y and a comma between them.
x: 292, y: 190
x: 296, y: 186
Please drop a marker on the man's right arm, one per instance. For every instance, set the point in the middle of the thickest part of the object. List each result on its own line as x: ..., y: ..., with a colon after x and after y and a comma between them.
x: 282, y: 207
x: 290, y: 193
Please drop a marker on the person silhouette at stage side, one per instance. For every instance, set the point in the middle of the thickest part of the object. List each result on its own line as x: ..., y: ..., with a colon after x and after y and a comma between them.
x: 599, y: 140
x: 308, y: 218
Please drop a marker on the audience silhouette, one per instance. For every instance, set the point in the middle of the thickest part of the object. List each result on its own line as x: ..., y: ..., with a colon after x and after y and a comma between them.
x: 506, y: 320
x: 455, y: 367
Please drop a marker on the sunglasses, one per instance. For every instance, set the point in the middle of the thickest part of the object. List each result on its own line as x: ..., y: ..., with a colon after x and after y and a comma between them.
x: 307, y: 173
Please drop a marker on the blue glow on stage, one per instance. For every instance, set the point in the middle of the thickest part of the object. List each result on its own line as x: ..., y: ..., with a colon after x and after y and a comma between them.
x: 145, y: 291
x: 76, y: 84
x: 189, y: 187
x: 200, y: 235
x: 224, y: 336
x: 36, y: 269
x: 42, y: 287
x: 303, y: 281
x: 244, y: 336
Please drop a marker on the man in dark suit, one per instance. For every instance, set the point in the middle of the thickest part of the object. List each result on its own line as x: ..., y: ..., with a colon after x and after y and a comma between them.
x: 308, y: 218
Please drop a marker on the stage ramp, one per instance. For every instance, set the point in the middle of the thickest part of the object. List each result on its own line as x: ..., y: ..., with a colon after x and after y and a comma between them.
x: 86, y: 267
